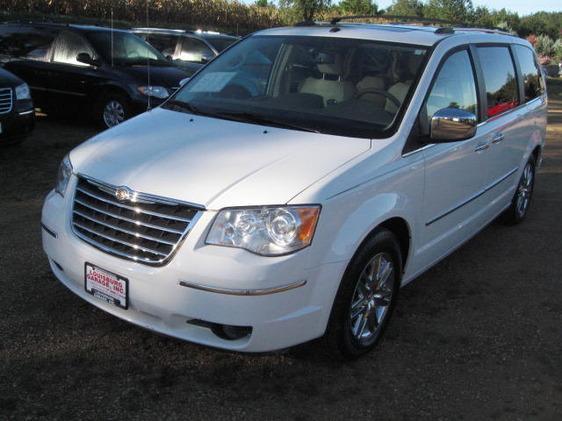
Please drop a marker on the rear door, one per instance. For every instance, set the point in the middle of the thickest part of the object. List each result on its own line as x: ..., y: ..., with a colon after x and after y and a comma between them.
x: 69, y: 80
x: 168, y: 45
x: 504, y: 118
x: 456, y: 172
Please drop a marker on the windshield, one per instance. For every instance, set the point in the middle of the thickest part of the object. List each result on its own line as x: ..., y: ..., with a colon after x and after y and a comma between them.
x: 219, y: 43
x: 348, y: 87
x: 127, y: 48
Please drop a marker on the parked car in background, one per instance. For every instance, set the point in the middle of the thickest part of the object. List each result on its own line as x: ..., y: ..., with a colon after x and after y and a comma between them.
x: 189, y: 49
x: 255, y: 221
x: 17, y: 117
x: 112, y: 74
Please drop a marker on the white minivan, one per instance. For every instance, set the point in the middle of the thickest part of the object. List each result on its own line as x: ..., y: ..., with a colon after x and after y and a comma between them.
x: 292, y: 185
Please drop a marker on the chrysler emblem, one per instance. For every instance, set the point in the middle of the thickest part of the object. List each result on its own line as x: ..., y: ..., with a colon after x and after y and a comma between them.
x: 122, y: 193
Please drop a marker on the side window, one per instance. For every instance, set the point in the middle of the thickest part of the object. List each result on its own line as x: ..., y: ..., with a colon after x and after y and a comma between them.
x: 195, y: 50
x: 24, y: 43
x: 67, y: 46
x: 454, y: 87
x: 166, y: 44
x: 530, y: 72
x: 499, y: 79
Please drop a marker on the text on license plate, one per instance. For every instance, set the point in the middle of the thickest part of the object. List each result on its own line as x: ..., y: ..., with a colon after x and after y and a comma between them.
x: 106, y: 286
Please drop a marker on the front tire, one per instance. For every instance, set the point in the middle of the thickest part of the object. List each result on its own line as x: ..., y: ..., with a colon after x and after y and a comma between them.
x: 367, y: 296
x: 112, y: 109
x: 521, y: 201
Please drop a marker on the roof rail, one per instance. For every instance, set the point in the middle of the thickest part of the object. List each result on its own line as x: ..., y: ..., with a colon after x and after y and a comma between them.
x: 420, y: 19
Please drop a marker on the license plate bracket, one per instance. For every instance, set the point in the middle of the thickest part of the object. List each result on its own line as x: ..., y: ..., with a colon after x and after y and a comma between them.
x: 106, y: 286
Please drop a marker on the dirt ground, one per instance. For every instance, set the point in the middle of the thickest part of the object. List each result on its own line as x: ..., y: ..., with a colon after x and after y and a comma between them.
x: 477, y: 337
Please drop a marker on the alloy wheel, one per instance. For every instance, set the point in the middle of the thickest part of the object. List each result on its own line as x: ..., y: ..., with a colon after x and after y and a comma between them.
x: 113, y: 113
x: 524, y: 190
x: 372, y: 297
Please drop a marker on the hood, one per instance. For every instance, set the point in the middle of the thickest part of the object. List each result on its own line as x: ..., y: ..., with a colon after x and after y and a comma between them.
x: 167, y: 76
x: 211, y: 162
x: 9, y: 80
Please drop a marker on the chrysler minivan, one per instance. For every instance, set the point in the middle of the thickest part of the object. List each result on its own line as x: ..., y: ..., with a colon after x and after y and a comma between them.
x: 290, y: 187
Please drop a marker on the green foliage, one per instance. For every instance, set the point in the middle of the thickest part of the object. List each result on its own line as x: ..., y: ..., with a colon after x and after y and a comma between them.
x: 306, y: 9
x: 358, y: 7
x: 406, y: 8
x: 545, y: 46
x: 452, y: 10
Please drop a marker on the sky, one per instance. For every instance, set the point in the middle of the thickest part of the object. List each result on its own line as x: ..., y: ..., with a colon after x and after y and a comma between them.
x: 523, y: 7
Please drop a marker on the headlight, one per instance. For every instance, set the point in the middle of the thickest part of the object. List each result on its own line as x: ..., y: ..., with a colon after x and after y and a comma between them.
x: 63, y: 176
x: 154, y: 91
x: 268, y: 231
x: 23, y: 92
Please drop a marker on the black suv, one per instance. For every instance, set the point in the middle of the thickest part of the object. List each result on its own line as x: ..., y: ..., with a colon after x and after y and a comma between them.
x: 111, y: 73
x: 189, y: 49
x: 16, y: 108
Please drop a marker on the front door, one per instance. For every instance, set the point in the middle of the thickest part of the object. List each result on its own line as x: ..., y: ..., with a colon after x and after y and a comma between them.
x: 456, y: 173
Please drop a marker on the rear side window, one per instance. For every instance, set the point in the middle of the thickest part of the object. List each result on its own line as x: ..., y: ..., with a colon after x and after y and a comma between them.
x: 499, y: 79
x: 454, y: 87
x: 166, y: 44
x: 24, y: 43
x: 196, y: 51
x: 530, y: 71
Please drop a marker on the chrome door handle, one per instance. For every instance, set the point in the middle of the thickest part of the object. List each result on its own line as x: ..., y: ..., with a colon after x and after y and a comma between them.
x: 498, y: 138
x: 481, y: 147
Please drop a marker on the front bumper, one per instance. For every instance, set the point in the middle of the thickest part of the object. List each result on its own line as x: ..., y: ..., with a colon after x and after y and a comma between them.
x: 16, y: 124
x: 165, y: 300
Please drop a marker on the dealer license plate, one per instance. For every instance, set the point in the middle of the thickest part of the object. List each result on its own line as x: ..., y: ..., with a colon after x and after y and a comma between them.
x: 106, y: 286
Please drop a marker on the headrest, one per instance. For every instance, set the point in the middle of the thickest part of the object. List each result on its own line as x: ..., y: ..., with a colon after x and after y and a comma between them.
x: 330, y: 64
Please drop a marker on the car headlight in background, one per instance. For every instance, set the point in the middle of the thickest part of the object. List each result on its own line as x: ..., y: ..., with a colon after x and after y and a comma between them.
x: 63, y: 176
x: 268, y: 231
x: 154, y: 91
x: 23, y: 92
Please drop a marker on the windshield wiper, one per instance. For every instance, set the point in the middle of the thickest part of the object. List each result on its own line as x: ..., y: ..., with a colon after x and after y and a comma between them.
x: 181, y: 106
x: 246, y: 117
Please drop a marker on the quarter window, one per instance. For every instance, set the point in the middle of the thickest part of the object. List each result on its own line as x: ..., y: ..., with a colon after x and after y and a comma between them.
x: 532, y: 79
x: 499, y: 79
x: 24, y: 43
x: 454, y: 87
x: 166, y: 44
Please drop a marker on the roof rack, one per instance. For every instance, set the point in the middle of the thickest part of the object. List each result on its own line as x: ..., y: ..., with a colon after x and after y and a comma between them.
x: 452, y: 25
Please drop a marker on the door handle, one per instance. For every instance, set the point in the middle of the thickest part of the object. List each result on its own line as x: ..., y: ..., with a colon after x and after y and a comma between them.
x: 498, y: 138
x: 481, y: 147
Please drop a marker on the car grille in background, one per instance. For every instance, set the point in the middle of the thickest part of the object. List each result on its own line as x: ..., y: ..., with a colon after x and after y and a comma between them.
x: 143, y: 228
x: 5, y: 100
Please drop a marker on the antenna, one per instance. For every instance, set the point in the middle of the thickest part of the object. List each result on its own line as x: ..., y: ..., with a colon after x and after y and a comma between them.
x: 111, y: 36
x: 147, y: 60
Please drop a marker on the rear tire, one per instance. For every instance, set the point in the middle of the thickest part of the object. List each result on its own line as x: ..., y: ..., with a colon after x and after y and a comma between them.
x: 521, y: 201
x: 365, y: 301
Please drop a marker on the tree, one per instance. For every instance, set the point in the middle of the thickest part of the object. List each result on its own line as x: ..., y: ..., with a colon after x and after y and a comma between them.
x: 406, y: 8
x: 306, y: 8
x: 359, y: 7
x: 452, y: 10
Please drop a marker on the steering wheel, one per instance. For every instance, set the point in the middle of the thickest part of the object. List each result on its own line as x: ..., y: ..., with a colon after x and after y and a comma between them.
x: 380, y: 92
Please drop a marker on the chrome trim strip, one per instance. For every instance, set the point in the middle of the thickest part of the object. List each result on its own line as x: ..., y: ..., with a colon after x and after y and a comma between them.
x: 116, y: 240
x: 132, y: 221
x: 126, y: 231
x: 48, y: 231
x: 142, y: 196
x: 243, y: 292
x: 423, y: 148
x: 474, y: 197
x: 131, y: 208
x: 26, y: 112
x: 7, y: 100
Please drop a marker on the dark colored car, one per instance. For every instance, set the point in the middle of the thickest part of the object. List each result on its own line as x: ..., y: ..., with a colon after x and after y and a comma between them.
x: 111, y: 73
x: 17, y: 117
x: 189, y: 49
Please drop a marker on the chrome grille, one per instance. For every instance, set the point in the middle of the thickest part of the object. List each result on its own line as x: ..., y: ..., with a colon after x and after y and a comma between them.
x: 141, y: 227
x: 5, y: 100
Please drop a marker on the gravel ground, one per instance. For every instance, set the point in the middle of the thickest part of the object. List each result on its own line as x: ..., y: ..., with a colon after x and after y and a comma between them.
x: 477, y: 337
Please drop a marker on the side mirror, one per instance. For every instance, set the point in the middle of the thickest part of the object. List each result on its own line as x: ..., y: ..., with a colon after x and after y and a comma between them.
x: 184, y: 81
x: 205, y: 60
x: 452, y: 124
x: 86, y: 59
